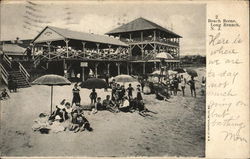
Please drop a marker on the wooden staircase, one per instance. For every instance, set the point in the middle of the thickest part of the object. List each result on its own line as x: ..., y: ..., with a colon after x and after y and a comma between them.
x: 14, y: 70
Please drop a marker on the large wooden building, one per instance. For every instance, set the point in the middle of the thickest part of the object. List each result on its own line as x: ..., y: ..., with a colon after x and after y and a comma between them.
x: 146, y: 39
x: 129, y: 49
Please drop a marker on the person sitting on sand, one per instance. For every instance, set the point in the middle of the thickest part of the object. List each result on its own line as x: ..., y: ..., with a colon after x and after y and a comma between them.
x: 82, y: 124
x: 68, y: 109
x: 140, y: 106
x: 98, y: 104
x: 4, y: 94
x: 161, y: 93
x: 76, y: 95
x: 61, y: 112
x: 125, y: 106
x: 93, y: 96
x: 73, y: 124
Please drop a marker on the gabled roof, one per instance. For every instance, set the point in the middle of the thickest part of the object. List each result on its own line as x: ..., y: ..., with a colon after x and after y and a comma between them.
x: 76, y: 35
x: 13, y: 49
x: 140, y: 24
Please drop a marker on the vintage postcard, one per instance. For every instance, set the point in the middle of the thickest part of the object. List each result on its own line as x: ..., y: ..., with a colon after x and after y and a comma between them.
x: 124, y: 79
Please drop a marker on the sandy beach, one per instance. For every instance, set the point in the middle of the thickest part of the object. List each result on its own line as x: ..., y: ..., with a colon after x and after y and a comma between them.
x: 177, y: 130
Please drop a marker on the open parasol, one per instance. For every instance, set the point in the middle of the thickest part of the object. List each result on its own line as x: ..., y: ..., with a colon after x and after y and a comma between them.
x: 192, y: 72
x: 179, y: 70
x: 124, y: 78
x: 94, y: 83
x: 51, y: 80
x: 164, y: 55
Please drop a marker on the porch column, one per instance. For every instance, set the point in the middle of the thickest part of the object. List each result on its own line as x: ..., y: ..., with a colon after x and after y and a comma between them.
x: 96, y: 66
x: 130, y: 37
x: 154, y: 35
x: 108, y: 65
x: 48, y: 43
x: 144, y: 68
x: 109, y: 47
x: 67, y: 47
x: 118, y: 66
x: 83, y: 47
x: 155, y: 68
x: 131, y: 68
x: 97, y: 46
x: 33, y: 50
x: 141, y: 36
x: 127, y: 68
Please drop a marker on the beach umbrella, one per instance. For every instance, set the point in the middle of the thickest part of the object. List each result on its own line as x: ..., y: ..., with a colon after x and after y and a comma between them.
x: 51, y: 80
x: 192, y: 72
x: 94, y: 83
x: 171, y: 72
x: 164, y: 55
x: 125, y: 78
x: 179, y: 70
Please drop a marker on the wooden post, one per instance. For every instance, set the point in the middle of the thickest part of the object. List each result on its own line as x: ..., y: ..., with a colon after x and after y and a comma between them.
x: 97, y: 46
x: 131, y: 68
x: 144, y: 68
x: 51, y: 99
x: 130, y: 37
x: 96, y: 66
x: 155, y: 68
x: 118, y: 70
x: 48, y: 43
x: 83, y: 77
x: 67, y: 47
x: 127, y: 69
x: 141, y: 36
x: 108, y: 65
x: 154, y: 35
x: 83, y: 48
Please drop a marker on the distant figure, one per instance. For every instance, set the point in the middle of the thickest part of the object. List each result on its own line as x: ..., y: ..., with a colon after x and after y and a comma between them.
x: 76, y: 95
x: 4, y: 95
x: 183, y: 84
x: 191, y: 83
x: 12, y: 85
x: 93, y: 96
x: 28, y: 53
x: 139, y: 96
x: 175, y: 84
x: 130, y: 90
x: 203, y: 86
x: 107, y: 82
x: 98, y: 104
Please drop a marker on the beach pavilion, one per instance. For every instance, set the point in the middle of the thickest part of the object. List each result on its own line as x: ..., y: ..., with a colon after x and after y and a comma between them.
x: 70, y: 53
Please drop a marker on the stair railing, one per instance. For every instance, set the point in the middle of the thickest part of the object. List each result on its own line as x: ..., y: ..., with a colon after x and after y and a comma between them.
x: 7, y: 60
x: 24, y: 72
x: 4, y: 74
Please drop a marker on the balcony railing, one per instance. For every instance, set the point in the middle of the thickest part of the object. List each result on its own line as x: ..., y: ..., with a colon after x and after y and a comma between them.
x: 149, y: 39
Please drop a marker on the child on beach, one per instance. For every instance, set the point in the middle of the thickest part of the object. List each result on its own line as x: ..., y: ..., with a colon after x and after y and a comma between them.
x: 130, y: 90
x: 93, y: 96
x: 76, y: 95
x: 4, y: 95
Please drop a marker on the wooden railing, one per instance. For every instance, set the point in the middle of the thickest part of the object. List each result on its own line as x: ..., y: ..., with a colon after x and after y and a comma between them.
x: 7, y: 60
x: 4, y: 74
x: 24, y: 72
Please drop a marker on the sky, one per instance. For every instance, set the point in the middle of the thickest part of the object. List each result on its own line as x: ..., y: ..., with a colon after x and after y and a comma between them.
x: 27, y: 18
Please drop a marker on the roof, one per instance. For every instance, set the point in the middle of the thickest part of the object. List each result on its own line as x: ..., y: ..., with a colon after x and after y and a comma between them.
x: 76, y: 35
x: 13, y: 49
x: 140, y: 24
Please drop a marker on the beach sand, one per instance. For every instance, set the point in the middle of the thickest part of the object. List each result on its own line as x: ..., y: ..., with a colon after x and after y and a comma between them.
x: 177, y: 130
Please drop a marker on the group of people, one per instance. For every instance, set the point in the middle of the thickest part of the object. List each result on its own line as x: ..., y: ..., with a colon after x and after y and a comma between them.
x: 121, y: 99
x: 74, y: 114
